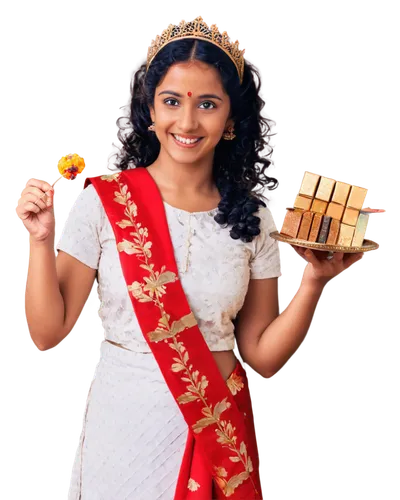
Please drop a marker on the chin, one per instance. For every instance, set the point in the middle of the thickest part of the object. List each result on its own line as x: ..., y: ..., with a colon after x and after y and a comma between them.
x: 185, y: 157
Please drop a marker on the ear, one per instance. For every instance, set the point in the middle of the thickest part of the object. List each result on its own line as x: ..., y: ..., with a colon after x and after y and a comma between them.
x: 229, y: 123
x: 152, y: 114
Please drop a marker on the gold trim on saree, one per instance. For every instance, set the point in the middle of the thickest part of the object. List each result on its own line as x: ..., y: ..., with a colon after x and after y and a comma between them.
x: 152, y: 289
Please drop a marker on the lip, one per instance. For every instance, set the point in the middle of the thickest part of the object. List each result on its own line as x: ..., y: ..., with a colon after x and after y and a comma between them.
x: 186, y: 145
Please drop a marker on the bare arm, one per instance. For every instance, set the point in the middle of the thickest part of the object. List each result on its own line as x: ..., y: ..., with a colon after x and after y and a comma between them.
x: 57, y: 286
x: 56, y: 291
x: 267, y: 339
x: 283, y: 336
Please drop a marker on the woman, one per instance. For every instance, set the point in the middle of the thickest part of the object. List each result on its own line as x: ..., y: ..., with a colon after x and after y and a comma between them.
x: 180, y: 240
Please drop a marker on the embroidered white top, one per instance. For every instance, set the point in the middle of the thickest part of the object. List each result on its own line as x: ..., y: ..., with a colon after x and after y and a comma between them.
x: 215, y: 283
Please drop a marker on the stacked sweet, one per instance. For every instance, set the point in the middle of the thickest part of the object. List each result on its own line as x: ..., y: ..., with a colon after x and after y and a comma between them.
x: 327, y: 211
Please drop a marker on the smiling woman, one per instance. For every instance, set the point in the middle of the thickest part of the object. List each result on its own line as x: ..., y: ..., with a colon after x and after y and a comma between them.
x: 190, y: 121
x: 178, y: 235
x: 185, y: 108
x: 187, y: 151
x: 187, y: 278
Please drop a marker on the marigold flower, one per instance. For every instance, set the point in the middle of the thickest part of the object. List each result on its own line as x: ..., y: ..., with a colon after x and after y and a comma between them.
x: 71, y: 165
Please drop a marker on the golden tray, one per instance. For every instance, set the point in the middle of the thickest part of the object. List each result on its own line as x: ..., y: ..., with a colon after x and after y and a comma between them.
x: 366, y: 246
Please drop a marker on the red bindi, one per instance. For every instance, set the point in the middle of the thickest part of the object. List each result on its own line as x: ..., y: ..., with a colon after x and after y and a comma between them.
x: 189, y: 94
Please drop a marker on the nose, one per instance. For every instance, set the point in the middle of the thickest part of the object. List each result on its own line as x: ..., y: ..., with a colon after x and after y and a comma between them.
x: 188, y: 119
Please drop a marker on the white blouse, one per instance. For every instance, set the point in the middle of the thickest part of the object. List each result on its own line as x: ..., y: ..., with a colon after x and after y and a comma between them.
x: 215, y: 282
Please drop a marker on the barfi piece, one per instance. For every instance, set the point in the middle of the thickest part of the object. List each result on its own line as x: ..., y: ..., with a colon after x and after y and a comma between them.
x: 305, y: 225
x: 292, y: 222
x: 323, y: 234
x: 316, y: 224
x: 345, y: 235
x: 309, y: 183
x: 356, y: 197
x: 333, y: 232
x: 302, y: 202
x: 361, y: 229
x: 335, y: 210
x: 325, y: 188
x: 341, y: 192
x: 350, y: 216
x: 319, y: 206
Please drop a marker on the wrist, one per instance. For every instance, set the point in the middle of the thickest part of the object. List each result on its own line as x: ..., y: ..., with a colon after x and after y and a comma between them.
x: 48, y: 241
x: 313, y: 286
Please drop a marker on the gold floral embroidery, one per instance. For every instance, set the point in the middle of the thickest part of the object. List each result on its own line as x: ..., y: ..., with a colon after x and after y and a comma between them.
x: 111, y: 177
x: 235, y: 383
x: 152, y: 290
x: 193, y: 485
x: 224, y: 431
x: 228, y: 487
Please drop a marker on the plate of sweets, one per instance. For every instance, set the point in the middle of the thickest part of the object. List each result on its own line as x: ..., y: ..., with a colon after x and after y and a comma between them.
x: 328, y: 215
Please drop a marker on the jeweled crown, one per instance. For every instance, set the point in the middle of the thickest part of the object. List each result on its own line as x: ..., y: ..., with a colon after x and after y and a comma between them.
x: 198, y: 29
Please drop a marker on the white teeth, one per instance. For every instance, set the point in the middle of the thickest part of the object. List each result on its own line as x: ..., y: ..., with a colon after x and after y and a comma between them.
x: 185, y: 141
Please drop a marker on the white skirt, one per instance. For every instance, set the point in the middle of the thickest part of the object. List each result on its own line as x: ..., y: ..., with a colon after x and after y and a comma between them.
x: 133, y: 436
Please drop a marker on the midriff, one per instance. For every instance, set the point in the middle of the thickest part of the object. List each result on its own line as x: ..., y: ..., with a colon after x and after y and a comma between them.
x: 226, y: 362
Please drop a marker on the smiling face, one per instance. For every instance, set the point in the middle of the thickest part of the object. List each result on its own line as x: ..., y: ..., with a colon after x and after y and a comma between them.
x: 204, y: 114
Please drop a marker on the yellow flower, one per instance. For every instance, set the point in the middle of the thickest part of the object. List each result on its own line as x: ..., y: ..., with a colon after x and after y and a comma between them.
x: 71, y: 165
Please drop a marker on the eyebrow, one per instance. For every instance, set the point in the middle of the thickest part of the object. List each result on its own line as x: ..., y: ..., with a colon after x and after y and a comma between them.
x: 203, y: 96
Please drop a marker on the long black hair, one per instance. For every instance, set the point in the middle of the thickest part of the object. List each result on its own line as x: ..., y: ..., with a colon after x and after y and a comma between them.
x: 238, y: 167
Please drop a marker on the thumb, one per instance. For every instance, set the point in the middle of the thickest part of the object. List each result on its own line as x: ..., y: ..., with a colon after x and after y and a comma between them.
x: 52, y: 196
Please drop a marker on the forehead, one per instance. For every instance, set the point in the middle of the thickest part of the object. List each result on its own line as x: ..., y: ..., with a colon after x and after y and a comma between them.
x: 195, y: 74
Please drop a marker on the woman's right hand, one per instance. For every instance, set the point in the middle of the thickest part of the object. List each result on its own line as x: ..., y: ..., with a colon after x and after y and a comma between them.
x: 38, y: 218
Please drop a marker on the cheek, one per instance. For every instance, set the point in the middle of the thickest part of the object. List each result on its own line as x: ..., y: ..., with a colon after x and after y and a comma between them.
x: 216, y: 131
x: 163, y: 117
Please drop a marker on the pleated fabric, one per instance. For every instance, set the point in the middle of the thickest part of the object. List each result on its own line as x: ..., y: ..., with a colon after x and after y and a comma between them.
x: 133, y: 435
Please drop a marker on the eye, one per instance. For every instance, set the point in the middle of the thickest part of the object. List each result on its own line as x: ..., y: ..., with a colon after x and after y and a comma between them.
x: 209, y: 102
x: 171, y: 100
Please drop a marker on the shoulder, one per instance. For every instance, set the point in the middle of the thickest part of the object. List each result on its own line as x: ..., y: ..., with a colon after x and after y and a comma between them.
x: 88, y: 199
x: 86, y: 204
x: 267, y: 222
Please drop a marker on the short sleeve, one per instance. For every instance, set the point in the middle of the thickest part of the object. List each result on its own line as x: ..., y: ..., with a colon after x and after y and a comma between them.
x: 80, y: 235
x: 266, y: 262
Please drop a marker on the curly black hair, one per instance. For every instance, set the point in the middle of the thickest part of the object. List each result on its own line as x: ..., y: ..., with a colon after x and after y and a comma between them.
x: 235, y: 168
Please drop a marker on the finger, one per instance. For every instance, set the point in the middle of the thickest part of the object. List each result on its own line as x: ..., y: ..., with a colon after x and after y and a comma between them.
x: 338, y: 256
x: 311, y: 257
x: 43, y: 185
x: 299, y: 250
x: 35, y: 199
x: 28, y: 208
x: 321, y: 254
x: 36, y: 191
x: 50, y: 200
x: 351, y: 258
x: 39, y: 195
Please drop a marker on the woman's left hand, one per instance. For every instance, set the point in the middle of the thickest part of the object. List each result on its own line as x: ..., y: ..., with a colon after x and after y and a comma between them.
x: 319, y: 269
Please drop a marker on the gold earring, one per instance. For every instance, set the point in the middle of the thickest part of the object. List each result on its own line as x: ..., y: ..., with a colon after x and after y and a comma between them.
x: 151, y: 127
x: 229, y: 135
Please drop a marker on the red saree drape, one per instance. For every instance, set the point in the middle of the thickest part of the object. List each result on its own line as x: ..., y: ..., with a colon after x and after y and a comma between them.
x: 221, y: 456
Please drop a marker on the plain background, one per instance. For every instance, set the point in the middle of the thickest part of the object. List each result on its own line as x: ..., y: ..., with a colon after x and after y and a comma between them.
x: 329, y: 78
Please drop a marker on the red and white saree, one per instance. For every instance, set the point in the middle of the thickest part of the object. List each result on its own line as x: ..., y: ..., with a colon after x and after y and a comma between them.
x: 221, y: 456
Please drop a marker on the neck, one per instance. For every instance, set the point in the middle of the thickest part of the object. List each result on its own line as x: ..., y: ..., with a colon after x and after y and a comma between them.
x: 193, y: 178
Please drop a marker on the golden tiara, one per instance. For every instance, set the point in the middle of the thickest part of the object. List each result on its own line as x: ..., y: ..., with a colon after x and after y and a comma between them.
x: 198, y: 29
